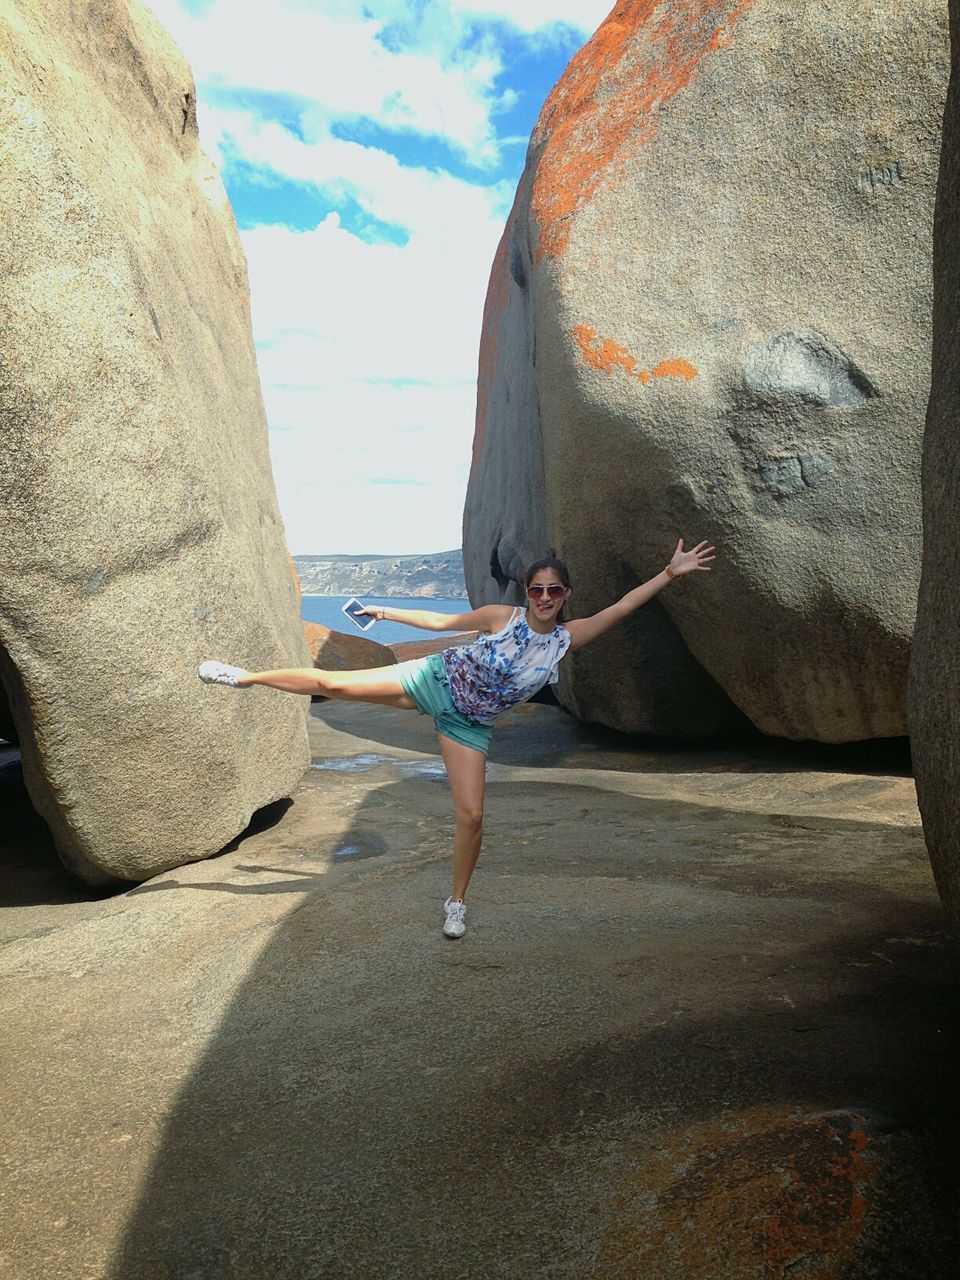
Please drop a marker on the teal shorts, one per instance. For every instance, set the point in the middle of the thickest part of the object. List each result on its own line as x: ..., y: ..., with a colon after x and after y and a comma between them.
x: 425, y: 680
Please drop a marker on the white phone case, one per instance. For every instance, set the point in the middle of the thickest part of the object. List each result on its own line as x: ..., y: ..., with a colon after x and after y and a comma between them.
x: 365, y: 621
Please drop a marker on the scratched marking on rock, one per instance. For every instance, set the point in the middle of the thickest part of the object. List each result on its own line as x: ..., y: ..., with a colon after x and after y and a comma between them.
x: 884, y: 175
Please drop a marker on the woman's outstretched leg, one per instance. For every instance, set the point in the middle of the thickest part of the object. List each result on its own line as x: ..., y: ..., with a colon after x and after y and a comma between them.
x: 286, y: 679
x: 379, y: 684
x: 467, y: 773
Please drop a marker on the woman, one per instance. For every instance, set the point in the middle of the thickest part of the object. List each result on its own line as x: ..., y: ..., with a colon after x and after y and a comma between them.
x: 465, y: 689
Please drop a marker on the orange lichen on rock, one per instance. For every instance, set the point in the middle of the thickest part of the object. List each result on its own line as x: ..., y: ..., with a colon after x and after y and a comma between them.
x: 608, y: 355
x: 292, y: 566
x: 612, y: 93
x: 766, y: 1192
x: 674, y: 369
x: 336, y: 651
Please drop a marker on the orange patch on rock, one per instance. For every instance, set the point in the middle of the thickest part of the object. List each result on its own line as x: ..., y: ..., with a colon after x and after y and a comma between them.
x: 751, y: 1195
x: 608, y: 355
x: 674, y: 369
x: 606, y: 99
x: 336, y: 651
x: 292, y: 565
x: 605, y: 355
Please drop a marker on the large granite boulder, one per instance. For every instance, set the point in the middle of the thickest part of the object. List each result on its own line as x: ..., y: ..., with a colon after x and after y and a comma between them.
x: 139, y: 528
x: 710, y: 317
x: 935, y: 661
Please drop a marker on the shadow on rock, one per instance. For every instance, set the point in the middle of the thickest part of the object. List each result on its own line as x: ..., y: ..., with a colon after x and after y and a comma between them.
x: 635, y: 1065
x: 31, y: 873
x: 546, y: 735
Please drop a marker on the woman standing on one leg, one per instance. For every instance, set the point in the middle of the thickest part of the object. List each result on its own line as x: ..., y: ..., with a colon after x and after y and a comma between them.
x: 465, y: 689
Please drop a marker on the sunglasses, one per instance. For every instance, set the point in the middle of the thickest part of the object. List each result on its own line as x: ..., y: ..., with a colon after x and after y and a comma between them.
x: 554, y: 591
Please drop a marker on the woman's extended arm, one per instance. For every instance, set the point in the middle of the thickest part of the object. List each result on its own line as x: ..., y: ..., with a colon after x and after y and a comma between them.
x: 583, y: 630
x: 489, y: 617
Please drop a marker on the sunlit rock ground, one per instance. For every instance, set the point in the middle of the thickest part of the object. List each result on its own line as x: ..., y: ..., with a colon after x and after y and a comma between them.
x: 703, y: 1026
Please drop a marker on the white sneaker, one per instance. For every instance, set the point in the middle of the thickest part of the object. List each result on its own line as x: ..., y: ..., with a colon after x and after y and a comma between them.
x: 454, y: 923
x: 220, y: 673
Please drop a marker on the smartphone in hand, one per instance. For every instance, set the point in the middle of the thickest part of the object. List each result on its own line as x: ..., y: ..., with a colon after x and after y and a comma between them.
x: 362, y: 620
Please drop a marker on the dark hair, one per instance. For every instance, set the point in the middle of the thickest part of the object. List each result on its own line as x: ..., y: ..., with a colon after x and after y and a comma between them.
x: 548, y: 561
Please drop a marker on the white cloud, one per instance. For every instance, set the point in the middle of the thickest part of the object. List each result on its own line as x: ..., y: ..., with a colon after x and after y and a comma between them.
x: 536, y: 15
x: 331, y: 470
x: 367, y: 351
x: 368, y: 358
x: 381, y: 311
x: 417, y: 199
x: 332, y: 56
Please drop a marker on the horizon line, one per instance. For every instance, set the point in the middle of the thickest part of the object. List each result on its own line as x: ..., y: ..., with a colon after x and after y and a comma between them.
x: 370, y: 555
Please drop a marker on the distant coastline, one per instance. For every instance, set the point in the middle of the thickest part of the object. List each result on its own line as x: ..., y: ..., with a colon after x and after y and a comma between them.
x: 342, y: 595
x: 436, y: 577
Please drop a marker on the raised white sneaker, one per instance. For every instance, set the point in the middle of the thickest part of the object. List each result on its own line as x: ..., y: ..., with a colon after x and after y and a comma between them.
x: 454, y: 924
x: 220, y: 673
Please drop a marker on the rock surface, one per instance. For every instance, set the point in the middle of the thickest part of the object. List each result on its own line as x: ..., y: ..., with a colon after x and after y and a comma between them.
x: 139, y: 528
x: 408, y: 649
x: 935, y: 661
x: 707, y: 1015
x: 437, y: 576
x: 337, y: 651
x: 710, y: 317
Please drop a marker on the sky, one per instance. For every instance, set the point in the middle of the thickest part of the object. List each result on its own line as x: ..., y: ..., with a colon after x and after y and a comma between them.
x: 371, y: 150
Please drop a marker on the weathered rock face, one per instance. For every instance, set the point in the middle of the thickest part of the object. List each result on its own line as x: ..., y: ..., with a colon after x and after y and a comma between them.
x: 139, y: 529
x: 336, y: 651
x: 935, y: 661
x: 710, y: 317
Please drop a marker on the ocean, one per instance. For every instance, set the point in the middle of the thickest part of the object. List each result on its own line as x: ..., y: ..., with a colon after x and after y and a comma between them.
x: 326, y: 611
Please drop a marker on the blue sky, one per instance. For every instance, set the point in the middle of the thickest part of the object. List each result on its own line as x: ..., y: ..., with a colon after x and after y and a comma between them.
x: 371, y: 149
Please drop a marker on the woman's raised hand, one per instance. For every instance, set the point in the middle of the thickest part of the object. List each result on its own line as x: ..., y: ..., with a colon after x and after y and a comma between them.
x: 700, y: 557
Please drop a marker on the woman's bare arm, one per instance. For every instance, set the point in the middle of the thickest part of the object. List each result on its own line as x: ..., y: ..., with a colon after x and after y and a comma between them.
x: 584, y: 630
x: 489, y: 617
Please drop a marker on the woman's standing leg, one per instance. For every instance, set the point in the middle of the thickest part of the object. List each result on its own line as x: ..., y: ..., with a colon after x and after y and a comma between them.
x: 467, y: 773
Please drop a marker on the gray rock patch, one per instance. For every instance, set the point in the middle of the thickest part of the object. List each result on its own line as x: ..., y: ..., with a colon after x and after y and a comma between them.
x: 788, y: 474
x: 506, y: 563
x: 807, y: 365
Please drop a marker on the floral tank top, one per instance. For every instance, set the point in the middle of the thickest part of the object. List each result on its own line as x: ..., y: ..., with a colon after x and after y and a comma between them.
x: 498, y: 671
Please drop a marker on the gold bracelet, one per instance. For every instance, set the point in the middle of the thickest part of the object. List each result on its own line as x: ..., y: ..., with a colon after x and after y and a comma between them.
x: 669, y: 572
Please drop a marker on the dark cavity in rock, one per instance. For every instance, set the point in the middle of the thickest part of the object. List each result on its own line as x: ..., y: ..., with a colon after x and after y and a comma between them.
x: 506, y: 564
x: 518, y: 266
